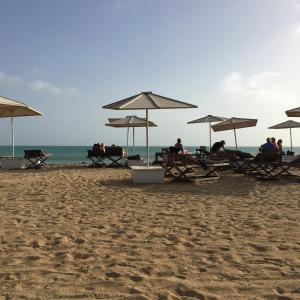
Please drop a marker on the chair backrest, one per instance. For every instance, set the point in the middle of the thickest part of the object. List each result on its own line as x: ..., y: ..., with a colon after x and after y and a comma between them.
x: 270, y: 156
x: 242, y: 154
x: 221, y: 155
x: 95, y: 152
x: 114, y: 151
x: 33, y: 153
x: 165, y: 150
x: 173, y: 149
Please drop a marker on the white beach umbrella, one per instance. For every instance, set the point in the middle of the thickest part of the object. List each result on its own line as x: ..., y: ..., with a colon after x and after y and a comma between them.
x: 293, y: 112
x: 287, y: 125
x: 10, y: 108
x: 208, y: 119
x: 146, y: 101
x: 129, y: 122
x: 234, y: 123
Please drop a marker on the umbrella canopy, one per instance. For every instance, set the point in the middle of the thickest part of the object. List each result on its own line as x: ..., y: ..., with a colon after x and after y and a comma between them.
x: 287, y: 125
x: 293, y: 112
x: 146, y: 101
x: 10, y: 108
x: 208, y: 119
x: 127, y: 122
x: 234, y: 123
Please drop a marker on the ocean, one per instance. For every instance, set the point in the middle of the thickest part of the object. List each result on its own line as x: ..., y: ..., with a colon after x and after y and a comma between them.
x: 77, y: 154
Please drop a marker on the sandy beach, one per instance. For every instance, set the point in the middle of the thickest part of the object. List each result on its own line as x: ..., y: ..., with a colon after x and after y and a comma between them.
x: 83, y: 233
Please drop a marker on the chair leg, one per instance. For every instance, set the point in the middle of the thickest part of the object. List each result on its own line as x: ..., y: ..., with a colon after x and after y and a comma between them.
x: 285, y: 170
x: 114, y: 161
x: 96, y: 162
x: 34, y: 163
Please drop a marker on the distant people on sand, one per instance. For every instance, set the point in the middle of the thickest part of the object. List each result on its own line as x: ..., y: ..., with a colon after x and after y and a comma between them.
x: 218, y: 146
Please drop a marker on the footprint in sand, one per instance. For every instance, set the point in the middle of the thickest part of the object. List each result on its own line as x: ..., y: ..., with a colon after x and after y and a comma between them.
x: 136, y: 278
x: 184, y: 291
x: 80, y: 255
x: 79, y: 241
x: 32, y: 258
x: 113, y: 274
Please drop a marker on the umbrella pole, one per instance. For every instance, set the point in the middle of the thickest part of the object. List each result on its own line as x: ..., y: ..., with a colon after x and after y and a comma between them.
x: 235, y: 139
x: 127, y: 140
x: 133, y: 143
x: 291, y: 139
x: 12, y: 135
x: 147, y: 137
x: 209, y: 135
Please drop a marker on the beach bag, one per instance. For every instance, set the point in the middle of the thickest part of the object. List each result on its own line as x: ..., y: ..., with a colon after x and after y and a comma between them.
x: 134, y: 157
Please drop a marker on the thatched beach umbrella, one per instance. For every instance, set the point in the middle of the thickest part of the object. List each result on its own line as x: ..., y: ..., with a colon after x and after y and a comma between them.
x: 234, y: 123
x: 129, y: 122
x: 146, y: 101
x: 295, y: 112
x: 208, y: 119
x: 287, y: 125
x: 10, y: 109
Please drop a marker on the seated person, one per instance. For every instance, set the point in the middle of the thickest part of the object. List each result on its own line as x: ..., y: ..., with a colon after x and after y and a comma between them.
x: 273, y: 141
x: 268, y: 146
x: 98, y: 148
x: 279, y: 146
x: 102, y: 147
x: 178, y: 146
x: 218, y: 146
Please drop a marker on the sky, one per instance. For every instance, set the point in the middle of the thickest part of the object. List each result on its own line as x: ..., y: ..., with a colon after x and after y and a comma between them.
x: 68, y: 58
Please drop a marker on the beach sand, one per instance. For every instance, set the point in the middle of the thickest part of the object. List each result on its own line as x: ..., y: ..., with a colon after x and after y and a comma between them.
x: 83, y: 233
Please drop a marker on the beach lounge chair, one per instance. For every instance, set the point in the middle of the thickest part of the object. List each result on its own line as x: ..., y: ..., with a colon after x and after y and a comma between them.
x: 222, y: 156
x: 100, y: 158
x: 266, y: 165
x: 114, y: 154
x: 286, y: 165
x: 35, y: 158
x: 202, y: 152
x: 188, y: 167
x: 240, y: 161
x: 97, y: 158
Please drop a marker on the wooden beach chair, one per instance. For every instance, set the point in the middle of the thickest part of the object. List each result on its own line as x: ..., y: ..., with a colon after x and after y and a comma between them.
x: 286, y: 165
x: 114, y: 154
x: 96, y: 157
x: 111, y: 157
x: 266, y: 165
x: 36, y: 158
x: 202, y: 152
x: 241, y: 161
x: 186, y: 167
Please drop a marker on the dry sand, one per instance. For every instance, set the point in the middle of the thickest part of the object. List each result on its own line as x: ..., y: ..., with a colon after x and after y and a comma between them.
x: 81, y: 233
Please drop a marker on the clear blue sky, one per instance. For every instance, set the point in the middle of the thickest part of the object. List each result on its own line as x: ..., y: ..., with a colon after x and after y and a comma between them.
x: 67, y: 58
